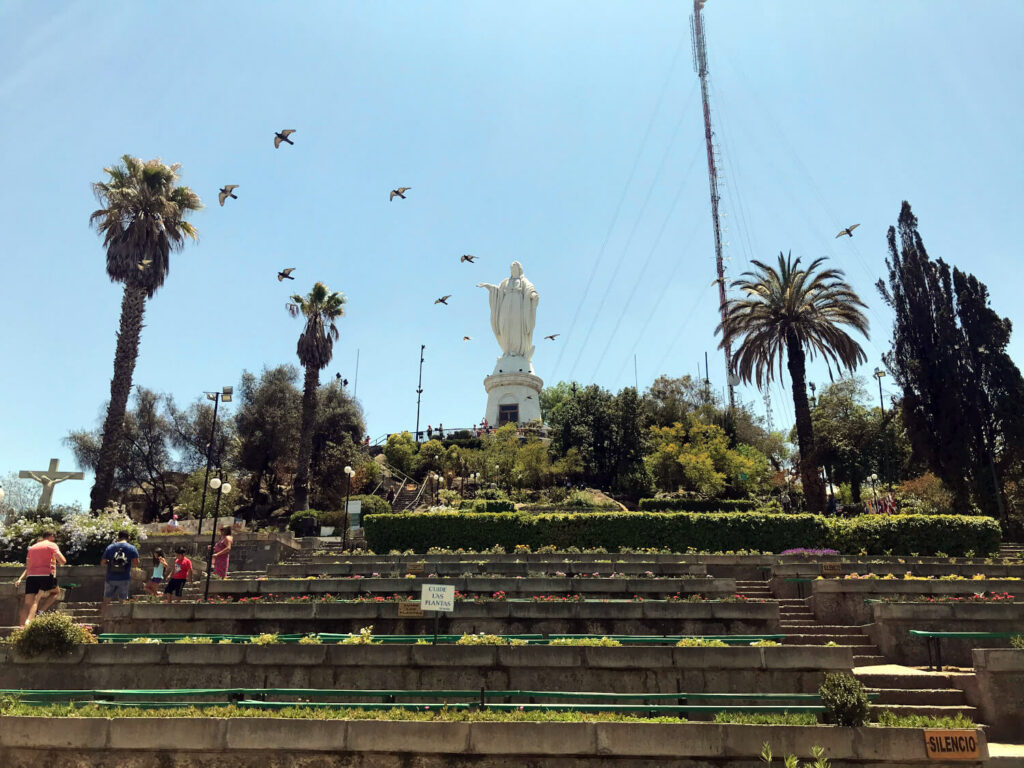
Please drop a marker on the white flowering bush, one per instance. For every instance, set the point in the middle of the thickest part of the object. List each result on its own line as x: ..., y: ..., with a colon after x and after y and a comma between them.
x: 82, y: 537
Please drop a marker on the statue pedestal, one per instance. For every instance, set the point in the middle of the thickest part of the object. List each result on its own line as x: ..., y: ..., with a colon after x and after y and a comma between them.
x: 512, y: 396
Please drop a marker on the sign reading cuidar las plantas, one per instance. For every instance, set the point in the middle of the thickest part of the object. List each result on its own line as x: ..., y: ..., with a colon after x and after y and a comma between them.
x: 437, y: 597
x: 944, y: 744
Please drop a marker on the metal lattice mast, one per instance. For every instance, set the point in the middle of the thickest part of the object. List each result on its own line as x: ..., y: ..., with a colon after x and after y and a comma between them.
x: 700, y: 65
x: 769, y: 421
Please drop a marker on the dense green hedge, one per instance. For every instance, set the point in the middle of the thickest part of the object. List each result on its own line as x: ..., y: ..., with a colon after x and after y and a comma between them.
x: 698, y: 505
x: 710, y: 532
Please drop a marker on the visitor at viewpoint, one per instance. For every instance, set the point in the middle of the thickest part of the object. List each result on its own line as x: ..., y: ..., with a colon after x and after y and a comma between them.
x: 40, y: 575
x: 119, y: 558
x: 181, y: 572
x: 220, y: 555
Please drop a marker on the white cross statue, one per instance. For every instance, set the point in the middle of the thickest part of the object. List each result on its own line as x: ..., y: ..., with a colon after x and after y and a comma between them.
x: 48, y: 479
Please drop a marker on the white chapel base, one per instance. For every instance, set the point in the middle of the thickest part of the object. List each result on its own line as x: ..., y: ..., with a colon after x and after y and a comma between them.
x: 513, y: 389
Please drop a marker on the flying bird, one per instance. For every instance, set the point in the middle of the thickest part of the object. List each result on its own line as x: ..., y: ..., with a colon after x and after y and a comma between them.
x: 285, y: 274
x: 467, y: 257
x: 553, y: 336
x: 443, y: 300
x: 848, y: 231
x: 467, y: 338
x: 226, y: 192
x: 144, y: 263
x: 283, y: 136
x: 400, y: 192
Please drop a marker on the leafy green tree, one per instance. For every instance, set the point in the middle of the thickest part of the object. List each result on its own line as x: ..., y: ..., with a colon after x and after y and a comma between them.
x: 671, y: 400
x: 792, y: 312
x: 533, y: 464
x: 629, y: 476
x: 320, y: 309
x: 145, y: 462
x: 267, y: 422
x: 551, y: 399
x: 400, y: 452
x: 961, y: 391
x: 142, y: 220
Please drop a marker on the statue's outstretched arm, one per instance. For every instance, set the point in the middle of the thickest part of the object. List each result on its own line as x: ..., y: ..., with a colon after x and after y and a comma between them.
x: 485, y: 285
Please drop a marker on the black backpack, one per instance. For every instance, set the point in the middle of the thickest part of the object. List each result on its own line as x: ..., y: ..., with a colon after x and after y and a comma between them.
x: 119, y: 562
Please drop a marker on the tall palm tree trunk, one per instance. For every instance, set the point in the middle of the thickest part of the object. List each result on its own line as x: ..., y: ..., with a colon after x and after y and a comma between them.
x: 133, y: 307
x: 814, y: 489
x: 309, y: 388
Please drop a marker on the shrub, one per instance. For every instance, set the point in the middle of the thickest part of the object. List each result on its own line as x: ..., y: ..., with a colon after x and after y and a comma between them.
x: 265, y: 639
x: 372, y: 505
x: 365, y: 637
x: 844, y: 699
x: 295, y: 521
x: 481, y: 639
x: 335, y: 518
x: 1017, y: 641
x: 491, y: 505
x: 82, y: 537
x: 700, y: 642
x: 310, y: 640
x: 765, y: 644
x: 680, y: 531
x: 698, y: 505
x: 596, y: 642
x: 54, y: 634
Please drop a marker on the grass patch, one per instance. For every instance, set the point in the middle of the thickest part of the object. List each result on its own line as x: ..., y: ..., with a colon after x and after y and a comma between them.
x: 891, y: 720
x: 767, y: 718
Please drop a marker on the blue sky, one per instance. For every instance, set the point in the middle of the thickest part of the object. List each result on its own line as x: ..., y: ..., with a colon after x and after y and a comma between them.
x: 567, y: 135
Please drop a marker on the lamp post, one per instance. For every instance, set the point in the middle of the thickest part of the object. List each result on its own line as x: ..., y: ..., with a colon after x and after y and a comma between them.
x: 878, y: 374
x: 348, y: 487
x: 220, y: 487
x: 224, y: 396
x: 419, y: 393
x: 874, y: 479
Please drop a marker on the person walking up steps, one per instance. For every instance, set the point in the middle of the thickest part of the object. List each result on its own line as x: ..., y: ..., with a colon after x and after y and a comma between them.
x: 181, y: 572
x: 40, y: 575
x: 159, y: 568
x: 119, y: 558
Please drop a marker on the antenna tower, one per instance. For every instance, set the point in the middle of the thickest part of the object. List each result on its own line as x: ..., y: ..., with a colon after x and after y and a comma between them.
x: 700, y: 65
x: 769, y: 421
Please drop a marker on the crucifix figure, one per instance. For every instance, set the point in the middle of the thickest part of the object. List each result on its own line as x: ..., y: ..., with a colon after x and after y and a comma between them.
x: 48, y: 479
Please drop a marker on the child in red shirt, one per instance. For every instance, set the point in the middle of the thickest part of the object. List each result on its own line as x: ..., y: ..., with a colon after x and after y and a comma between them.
x: 181, y: 572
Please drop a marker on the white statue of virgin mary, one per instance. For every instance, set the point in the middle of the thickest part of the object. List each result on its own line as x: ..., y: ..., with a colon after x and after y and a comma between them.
x: 513, y: 313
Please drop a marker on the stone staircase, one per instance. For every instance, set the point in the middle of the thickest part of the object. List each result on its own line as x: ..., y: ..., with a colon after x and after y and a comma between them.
x: 405, y: 497
x: 1011, y: 549
x: 906, y: 691
x: 900, y: 690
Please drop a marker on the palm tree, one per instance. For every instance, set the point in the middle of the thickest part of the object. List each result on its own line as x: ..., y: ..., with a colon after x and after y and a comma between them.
x: 316, y: 347
x: 142, y: 221
x: 800, y: 312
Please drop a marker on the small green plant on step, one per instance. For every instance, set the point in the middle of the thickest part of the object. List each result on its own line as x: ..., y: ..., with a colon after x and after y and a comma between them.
x: 844, y: 699
x: 1017, y: 641
x: 700, y: 642
x: 54, y: 634
x: 365, y: 637
x: 791, y: 761
x: 265, y: 639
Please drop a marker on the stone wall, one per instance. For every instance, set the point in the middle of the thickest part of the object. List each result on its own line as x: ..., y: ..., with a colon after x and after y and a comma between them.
x: 512, y: 587
x: 652, y: 669
x: 1000, y: 691
x: 285, y: 743
x: 841, y: 601
x: 893, y: 622
x: 596, y: 617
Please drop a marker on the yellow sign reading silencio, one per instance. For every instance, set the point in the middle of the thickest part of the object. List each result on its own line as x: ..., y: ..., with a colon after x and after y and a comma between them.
x: 942, y: 744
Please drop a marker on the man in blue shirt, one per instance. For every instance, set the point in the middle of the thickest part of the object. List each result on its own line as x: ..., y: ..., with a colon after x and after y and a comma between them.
x: 119, y: 558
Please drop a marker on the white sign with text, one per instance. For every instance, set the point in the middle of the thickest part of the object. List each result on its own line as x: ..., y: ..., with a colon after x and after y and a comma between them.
x: 437, y: 597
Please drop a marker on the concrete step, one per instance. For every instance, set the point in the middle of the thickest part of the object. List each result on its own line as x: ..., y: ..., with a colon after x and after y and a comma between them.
x: 801, y: 628
x: 868, y: 661
x: 906, y: 681
x: 854, y: 641
x: 947, y: 697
